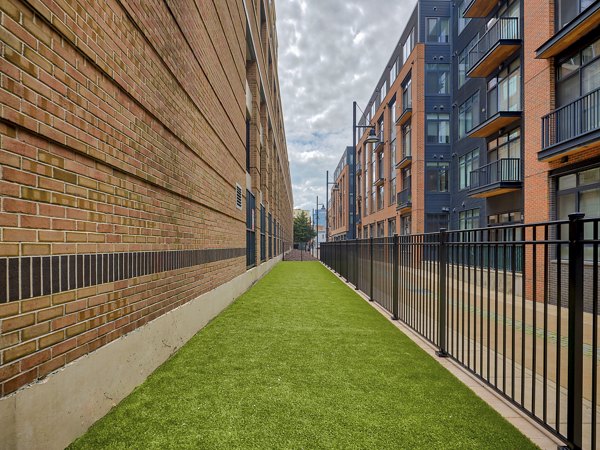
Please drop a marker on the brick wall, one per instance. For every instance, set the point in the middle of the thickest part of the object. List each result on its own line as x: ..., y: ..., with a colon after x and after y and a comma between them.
x: 122, y: 139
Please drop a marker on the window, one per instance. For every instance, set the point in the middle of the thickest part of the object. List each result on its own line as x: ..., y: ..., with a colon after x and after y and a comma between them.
x: 383, y: 92
x: 392, y: 106
x: 437, y: 29
x: 406, y: 140
x: 392, y: 196
x: 463, y: 61
x: 380, y: 197
x: 405, y: 174
x: 504, y: 90
x: 408, y: 45
x: 433, y: 222
x: 395, y: 70
x: 405, y: 225
x: 381, y: 130
x: 380, y: 165
x: 579, y: 74
x: 579, y: 192
x: 507, y: 145
x: 372, y: 230
x: 373, y: 199
x: 467, y: 164
x: 380, y: 232
x: 438, y: 128
x: 391, y: 227
x: 567, y: 10
x: 468, y: 115
x: 469, y: 219
x: 438, y: 78
x: 505, y: 218
x: 462, y: 21
x: 406, y: 95
x: 437, y: 176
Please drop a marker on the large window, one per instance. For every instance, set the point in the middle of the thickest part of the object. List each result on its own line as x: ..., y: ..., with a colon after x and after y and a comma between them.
x: 380, y: 197
x: 408, y: 45
x: 507, y: 145
x: 462, y: 21
x: 463, y: 61
x: 436, y: 176
x: 380, y: 229
x: 438, y: 29
x: 469, y: 219
x: 438, y: 128
x: 395, y: 71
x: 438, y: 78
x: 405, y: 225
x: 567, y: 10
x: 433, y: 222
x: 380, y: 165
x: 391, y: 227
x: 383, y: 92
x: 578, y: 74
x: 406, y: 140
x: 504, y: 90
x: 579, y: 192
x: 467, y: 164
x: 407, y: 95
x: 468, y: 115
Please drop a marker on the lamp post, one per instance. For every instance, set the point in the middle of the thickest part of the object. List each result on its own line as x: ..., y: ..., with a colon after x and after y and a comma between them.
x: 317, y: 225
x: 372, y: 138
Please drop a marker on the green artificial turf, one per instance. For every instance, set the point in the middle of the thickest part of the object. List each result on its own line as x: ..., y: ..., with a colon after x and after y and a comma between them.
x: 300, y: 361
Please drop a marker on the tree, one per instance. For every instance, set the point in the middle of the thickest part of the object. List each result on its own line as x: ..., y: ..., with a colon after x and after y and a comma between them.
x: 303, y: 230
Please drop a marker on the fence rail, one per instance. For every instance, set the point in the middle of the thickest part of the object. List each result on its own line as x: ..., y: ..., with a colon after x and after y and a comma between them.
x: 516, y: 305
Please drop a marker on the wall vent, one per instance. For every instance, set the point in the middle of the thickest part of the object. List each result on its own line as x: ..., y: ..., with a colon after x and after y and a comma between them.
x: 238, y: 196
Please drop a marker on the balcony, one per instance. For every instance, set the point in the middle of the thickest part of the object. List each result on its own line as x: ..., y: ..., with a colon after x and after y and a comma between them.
x: 404, y: 200
x: 405, y: 116
x: 495, y: 123
x: 379, y: 181
x: 479, y: 8
x: 404, y: 162
x: 576, y: 29
x: 494, y: 47
x: 571, y: 128
x: 496, y: 178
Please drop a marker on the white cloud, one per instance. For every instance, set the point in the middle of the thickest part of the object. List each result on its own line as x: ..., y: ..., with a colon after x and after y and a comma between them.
x: 331, y: 52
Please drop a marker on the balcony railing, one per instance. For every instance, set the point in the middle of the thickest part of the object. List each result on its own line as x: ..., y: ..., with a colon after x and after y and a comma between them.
x: 572, y: 121
x: 500, y: 176
x: 404, y: 199
x: 499, y: 42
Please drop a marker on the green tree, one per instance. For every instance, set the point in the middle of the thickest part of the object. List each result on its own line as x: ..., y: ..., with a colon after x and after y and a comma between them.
x: 303, y: 230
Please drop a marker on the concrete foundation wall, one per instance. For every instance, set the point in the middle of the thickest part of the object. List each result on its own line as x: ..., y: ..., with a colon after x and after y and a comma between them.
x: 52, y: 413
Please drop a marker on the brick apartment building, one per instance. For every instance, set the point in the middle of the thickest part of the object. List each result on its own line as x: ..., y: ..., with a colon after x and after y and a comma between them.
x: 488, y: 113
x: 144, y: 171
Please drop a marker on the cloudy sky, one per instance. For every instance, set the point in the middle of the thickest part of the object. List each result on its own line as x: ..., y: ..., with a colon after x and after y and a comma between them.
x: 331, y: 52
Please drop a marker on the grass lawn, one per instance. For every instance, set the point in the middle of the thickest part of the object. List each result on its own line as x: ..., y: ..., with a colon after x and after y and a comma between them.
x: 300, y: 361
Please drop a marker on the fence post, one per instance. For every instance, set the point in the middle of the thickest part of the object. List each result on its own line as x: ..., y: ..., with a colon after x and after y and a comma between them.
x: 371, y: 268
x: 395, y: 277
x: 575, y: 360
x: 442, y: 300
x: 357, y: 264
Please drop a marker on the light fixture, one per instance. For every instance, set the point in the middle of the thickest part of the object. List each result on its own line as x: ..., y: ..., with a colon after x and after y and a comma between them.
x: 372, y: 138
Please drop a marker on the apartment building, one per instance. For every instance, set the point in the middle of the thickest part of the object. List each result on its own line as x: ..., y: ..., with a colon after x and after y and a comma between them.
x: 403, y: 181
x: 487, y: 113
x: 339, y: 215
x: 144, y: 185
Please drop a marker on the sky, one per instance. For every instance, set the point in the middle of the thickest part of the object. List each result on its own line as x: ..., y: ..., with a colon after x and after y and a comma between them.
x: 331, y: 52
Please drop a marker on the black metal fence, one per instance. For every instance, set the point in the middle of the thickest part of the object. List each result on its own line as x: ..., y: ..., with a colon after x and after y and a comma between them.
x: 516, y: 305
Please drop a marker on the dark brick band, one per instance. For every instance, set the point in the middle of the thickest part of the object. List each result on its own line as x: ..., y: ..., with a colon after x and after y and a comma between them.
x: 28, y: 277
